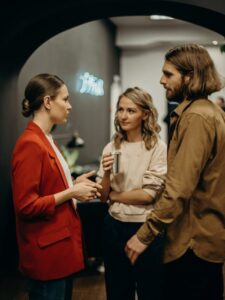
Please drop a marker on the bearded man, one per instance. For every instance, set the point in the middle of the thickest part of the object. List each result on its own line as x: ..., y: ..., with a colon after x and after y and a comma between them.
x: 192, y: 206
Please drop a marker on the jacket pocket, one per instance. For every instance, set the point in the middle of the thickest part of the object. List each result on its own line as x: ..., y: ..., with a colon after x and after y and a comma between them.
x: 53, y: 237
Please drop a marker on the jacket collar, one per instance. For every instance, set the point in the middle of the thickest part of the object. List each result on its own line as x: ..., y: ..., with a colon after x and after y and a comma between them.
x: 35, y: 128
x: 175, y: 116
x: 181, y: 107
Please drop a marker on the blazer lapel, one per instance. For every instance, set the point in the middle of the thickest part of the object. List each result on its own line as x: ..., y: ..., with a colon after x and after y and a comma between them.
x: 35, y: 128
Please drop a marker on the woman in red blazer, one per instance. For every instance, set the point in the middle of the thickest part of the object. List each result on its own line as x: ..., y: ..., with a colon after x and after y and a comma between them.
x: 48, y: 226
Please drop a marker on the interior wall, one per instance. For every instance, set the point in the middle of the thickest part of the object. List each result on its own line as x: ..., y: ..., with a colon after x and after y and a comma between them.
x: 219, y: 60
x: 87, y: 48
x: 143, y: 68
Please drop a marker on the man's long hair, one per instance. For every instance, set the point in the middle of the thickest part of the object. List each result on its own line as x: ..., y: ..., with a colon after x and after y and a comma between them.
x: 194, y: 61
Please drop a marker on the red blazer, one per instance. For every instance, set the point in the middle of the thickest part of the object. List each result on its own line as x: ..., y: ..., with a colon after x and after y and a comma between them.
x: 49, y: 236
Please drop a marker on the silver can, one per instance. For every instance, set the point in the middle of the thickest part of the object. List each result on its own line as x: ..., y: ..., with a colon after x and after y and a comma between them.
x: 116, y: 162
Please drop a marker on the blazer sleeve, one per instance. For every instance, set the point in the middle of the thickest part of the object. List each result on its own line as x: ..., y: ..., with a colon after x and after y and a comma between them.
x: 26, y: 177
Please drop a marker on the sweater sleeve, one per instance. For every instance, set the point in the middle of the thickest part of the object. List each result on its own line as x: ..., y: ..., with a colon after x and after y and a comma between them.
x: 154, y: 177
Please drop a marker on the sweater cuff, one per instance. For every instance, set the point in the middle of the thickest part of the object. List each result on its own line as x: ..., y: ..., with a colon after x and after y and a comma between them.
x: 152, y: 193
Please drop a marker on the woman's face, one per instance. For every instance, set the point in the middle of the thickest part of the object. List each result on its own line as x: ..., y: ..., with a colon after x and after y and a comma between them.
x: 60, y: 106
x: 129, y: 115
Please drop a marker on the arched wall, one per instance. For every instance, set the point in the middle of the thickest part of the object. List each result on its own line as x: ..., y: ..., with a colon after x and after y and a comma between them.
x: 24, y: 27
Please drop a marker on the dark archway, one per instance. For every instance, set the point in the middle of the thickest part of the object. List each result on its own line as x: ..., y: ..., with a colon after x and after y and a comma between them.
x: 29, y: 27
x: 25, y: 27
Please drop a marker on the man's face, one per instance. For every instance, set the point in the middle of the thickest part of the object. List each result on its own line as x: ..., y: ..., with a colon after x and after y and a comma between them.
x: 173, y: 82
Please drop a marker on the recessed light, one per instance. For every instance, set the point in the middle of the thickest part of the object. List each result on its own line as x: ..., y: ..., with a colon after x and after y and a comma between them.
x: 215, y: 43
x: 159, y: 17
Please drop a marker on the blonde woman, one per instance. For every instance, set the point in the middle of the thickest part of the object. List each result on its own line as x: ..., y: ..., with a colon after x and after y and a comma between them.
x: 132, y: 193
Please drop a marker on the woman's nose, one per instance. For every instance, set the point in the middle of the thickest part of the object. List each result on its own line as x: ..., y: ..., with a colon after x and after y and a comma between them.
x: 124, y: 115
x: 69, y: 106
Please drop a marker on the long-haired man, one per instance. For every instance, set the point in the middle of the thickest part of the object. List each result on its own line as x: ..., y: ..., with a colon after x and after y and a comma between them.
x: 192, y: 206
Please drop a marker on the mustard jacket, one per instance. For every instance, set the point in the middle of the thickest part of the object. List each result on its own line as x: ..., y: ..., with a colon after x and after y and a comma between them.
x: 192, y: 206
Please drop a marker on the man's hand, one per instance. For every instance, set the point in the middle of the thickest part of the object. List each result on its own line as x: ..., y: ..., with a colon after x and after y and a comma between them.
x: 134, y: 248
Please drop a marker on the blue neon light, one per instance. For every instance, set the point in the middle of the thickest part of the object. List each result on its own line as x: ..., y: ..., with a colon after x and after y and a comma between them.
x: 91, y: 84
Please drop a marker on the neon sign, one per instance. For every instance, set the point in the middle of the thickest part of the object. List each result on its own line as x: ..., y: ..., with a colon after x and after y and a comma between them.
x: 91, y: 85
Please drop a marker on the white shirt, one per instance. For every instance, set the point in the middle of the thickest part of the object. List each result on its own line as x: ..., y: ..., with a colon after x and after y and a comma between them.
x: 64, y: 166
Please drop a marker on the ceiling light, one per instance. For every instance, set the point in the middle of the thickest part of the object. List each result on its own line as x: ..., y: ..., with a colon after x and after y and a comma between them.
x: 215, y: 43
x: 159, y: 17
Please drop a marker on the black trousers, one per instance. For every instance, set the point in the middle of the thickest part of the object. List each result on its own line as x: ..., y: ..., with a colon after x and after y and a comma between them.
x: 57, y: 289
x: 123, y: 279
x: 191, y: 278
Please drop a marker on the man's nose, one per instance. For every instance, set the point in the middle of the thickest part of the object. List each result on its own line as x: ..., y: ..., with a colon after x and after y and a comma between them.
x: 162, y: 80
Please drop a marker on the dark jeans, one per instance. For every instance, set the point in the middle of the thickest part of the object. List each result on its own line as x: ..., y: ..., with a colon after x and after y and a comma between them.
x: 58, y: 289
x: 123, y: 279
x: 191, y: 278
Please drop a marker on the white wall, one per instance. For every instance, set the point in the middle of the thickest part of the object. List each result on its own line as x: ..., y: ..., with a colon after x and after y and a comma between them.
x: 219, y: 60
x: 143, y: 68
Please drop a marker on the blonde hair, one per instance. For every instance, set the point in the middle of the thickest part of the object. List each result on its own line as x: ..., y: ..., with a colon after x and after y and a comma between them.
x: 150, y: 126
x: 194, y: 60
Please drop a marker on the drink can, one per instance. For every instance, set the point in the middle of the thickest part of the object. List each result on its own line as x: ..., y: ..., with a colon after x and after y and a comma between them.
x: 116, y: 162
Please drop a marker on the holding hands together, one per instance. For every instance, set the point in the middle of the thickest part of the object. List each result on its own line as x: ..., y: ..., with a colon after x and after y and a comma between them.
x: 84, y: 177
x: 85, y: 189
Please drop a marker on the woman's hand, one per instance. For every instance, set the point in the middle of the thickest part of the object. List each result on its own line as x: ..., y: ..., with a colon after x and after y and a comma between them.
x: 113, y: 196
x: 84, y: 177
x: 107, y: 162
x: 86, y: 190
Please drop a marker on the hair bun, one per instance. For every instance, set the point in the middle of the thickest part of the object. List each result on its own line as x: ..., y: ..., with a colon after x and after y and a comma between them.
x: 26, y: 108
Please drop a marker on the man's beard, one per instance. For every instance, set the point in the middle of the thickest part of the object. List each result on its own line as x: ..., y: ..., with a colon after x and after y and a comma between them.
x: 178, y: 94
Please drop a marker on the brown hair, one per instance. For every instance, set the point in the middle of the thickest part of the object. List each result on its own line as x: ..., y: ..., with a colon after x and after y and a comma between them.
x: 150, y: 127
x: 194, y: 60
x: 38, y: 87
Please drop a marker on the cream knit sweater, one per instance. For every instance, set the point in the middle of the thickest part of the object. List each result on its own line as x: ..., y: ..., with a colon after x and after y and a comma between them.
x: 139, y: 169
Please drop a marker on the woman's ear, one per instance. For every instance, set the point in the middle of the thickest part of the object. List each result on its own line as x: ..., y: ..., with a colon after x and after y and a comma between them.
x: 145, y: 115
x: 47, y: 102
